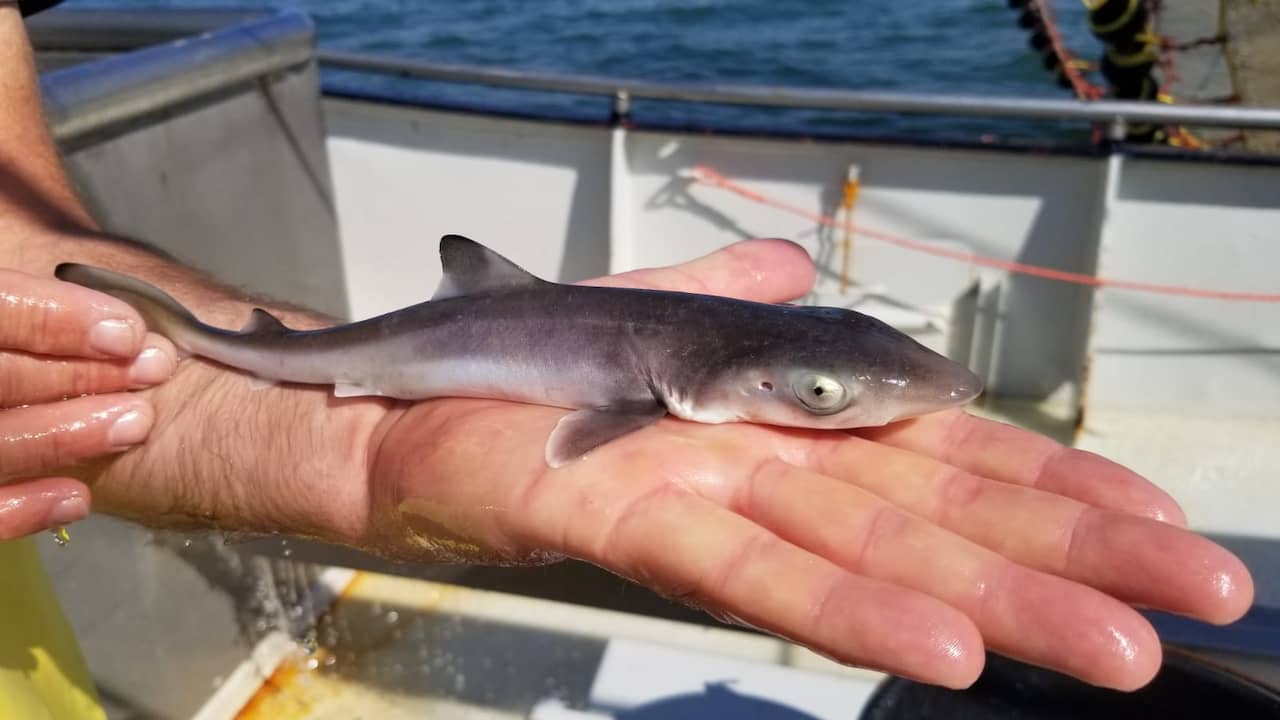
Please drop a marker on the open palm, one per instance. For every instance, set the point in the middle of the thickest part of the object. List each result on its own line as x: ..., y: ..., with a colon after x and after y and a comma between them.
x: 910, y: 548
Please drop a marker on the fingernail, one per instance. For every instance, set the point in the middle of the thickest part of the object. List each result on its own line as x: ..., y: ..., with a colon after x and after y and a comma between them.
x: 73, y: 509
x: 129, y: 429
x: 152, y: 367
x: 114, y: 337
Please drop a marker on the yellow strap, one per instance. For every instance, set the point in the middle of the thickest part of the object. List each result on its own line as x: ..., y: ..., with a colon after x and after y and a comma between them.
x: 1118, y: 22
x: 42, y: 674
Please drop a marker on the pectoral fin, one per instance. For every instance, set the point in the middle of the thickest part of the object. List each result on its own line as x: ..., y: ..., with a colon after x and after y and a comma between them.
x: 260, y: 383
x: 580, y: 432
x: 346, y: 390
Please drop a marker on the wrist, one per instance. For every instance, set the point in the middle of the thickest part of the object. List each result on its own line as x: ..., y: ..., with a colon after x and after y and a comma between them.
x: 222, y: 455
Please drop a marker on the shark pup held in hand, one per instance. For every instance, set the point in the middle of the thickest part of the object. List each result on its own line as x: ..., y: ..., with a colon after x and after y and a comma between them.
x: 621, y: 358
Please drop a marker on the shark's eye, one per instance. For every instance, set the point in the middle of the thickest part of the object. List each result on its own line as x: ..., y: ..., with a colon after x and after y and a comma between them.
x: 820, y: 393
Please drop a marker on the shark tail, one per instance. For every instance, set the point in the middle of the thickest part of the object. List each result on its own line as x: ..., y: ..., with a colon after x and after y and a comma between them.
x: 162, y: 313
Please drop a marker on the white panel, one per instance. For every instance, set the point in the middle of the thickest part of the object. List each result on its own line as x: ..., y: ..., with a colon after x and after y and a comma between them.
x: 540, y: 192
x: 1202, y: 225
x: 1222, y: 469
x: 1034, y: 208
x: 238, y: 188
x: 536, y: 192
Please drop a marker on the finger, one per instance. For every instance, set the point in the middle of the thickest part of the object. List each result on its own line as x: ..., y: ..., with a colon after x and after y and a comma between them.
x: 27, y: 379
x: 1036, y: 617
x: 50, y: 317
x: 688, y: 548
x: 32, y: 506
x: 1013, y: 455
x: 1159, y: 566
x: 761, y: 270
x: 1135, y: 559
x: 40, y: 437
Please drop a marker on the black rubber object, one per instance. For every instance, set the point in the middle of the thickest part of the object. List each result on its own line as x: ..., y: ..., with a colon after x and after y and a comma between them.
x: 1185, y: 689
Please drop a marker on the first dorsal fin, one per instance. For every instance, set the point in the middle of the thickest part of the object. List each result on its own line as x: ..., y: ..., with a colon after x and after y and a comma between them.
x: 471, y: 268
x: 262, y: 322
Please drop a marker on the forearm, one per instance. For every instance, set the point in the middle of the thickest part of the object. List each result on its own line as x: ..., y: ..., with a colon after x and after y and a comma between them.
x: 43, y: 222
x: 33, y: 188
x: 286, y: 459
x: 221, y: 454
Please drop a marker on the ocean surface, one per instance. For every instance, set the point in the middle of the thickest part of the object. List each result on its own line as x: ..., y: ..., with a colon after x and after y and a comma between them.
x: 939, y: 46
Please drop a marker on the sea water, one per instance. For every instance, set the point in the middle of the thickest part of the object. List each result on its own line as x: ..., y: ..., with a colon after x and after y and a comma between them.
x: 942, y: 46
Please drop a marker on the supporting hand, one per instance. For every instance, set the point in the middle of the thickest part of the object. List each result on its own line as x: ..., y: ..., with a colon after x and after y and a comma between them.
x: 911, y: 548
x: 59, y: 341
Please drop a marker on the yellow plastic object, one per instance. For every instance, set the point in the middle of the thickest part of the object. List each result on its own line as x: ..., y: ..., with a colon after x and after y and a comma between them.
x: 851, y: 185
x: 42, y: 674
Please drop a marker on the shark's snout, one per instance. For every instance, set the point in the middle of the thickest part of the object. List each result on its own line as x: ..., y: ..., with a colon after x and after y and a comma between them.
x: 937, y: 383
x: 961, y: 385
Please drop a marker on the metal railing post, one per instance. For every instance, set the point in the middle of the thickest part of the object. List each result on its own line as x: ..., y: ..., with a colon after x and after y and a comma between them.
x: 621, y: 246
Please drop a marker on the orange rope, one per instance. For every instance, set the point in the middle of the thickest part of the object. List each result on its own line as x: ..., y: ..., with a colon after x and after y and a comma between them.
x: 1083, y: 89
x: 711, y: 177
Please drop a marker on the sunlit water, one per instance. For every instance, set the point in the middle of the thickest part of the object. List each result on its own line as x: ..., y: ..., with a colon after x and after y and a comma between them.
x: 944, y: 46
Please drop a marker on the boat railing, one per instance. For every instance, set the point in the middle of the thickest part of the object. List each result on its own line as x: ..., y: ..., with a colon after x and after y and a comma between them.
x: 1116, y: 114
x: 154, y: 62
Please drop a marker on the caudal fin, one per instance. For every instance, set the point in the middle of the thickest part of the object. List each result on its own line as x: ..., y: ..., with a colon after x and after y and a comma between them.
x: 162, y: 313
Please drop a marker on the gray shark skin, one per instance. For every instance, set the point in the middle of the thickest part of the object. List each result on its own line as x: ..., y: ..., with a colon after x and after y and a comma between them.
x: 621, y: 358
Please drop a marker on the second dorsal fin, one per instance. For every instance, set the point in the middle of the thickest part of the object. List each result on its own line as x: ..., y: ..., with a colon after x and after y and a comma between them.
x: 262, y: 322
x: 471, y: 268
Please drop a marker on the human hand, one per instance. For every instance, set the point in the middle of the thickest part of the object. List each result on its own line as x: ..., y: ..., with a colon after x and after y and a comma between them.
x: 910, y: 548
x: 59, y: 341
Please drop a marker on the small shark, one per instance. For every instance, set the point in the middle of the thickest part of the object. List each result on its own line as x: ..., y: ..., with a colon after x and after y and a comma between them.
x: 620, y: 358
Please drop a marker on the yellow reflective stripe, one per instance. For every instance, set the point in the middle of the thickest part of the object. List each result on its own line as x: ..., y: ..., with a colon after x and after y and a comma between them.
x: 1118, y: 22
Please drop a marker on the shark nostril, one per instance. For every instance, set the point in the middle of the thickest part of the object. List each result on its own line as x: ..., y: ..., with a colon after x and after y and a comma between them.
x: 766, y: 386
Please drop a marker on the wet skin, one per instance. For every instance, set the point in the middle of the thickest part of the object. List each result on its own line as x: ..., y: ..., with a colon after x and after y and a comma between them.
x: 66, y: 355
x: 911, y: 548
